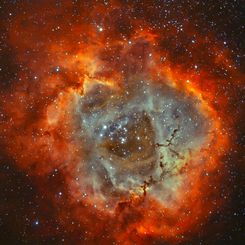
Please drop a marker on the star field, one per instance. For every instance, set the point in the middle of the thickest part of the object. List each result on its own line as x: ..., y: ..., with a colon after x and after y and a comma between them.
x: 121, y: 122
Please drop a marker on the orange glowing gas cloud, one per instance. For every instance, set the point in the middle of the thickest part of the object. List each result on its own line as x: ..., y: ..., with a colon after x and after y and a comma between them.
x: 63, y: 55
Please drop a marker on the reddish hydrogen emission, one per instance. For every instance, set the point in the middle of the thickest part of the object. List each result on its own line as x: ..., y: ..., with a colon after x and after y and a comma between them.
x: 137, y: 130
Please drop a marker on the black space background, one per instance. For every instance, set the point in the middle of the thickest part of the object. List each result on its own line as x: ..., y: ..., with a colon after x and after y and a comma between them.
x: 20, y: 202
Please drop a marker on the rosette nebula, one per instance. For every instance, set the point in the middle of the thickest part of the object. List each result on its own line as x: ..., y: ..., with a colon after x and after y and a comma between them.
x: 121, y: 122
